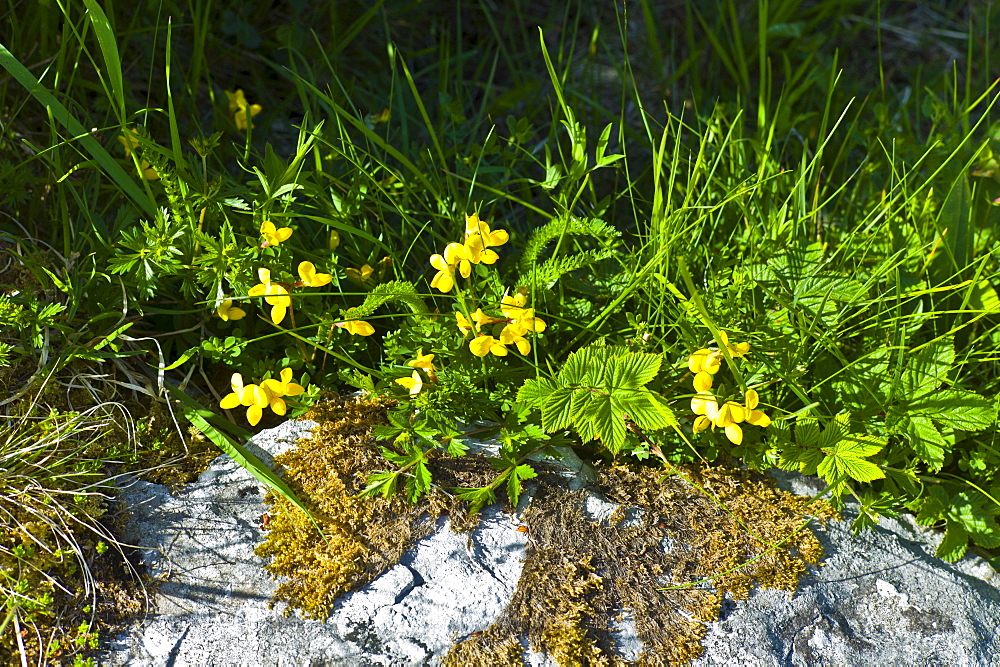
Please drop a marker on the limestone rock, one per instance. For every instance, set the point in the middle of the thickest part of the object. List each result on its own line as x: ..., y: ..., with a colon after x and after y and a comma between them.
x: 879, y: 598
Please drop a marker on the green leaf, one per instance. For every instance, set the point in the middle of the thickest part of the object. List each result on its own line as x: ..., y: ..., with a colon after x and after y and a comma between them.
x: 536, y: 390
x: 858, y: 469
x: 928, y: 367
x: 380, y: 484
x: 634, y: 370
x: 477, y: 497
x: 926, y: 441
x: 109, y: 50
x: 557, y: 410
x: 954, y: 544
x: 955, y: 408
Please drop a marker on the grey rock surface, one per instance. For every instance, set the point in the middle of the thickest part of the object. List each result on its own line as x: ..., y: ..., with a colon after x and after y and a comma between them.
x: 880, y: 598
x: 211, y: 607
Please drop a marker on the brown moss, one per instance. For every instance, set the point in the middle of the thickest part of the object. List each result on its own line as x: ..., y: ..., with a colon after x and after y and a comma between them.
x: 364, y: 537
x: 729, y: 546
x: 732, y: 529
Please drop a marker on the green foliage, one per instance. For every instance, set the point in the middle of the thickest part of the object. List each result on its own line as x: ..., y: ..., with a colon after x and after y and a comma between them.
x: 596, y: 391
x: 848, y: 232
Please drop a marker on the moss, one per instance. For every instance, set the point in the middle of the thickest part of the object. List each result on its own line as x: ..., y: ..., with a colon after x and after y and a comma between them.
x: 736, y: 528
x: 365, y: 536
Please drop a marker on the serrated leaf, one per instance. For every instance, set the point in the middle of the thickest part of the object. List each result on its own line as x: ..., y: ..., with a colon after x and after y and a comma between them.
x: 860, y: 445
x: 988, y: 539
x: 477, y: 497
x: 607, y: 426
x: 928, y: 367
x: 955, y: 408
x: 807, y: 433
x: 577, y: 367
x: 525, y: 471
x: 954, y: 544
x: 380, y: 484
x: 859, y: 469
x: 636, y: 369
x: 419, y: 483
x: 926, y: 441
x: 557, y: 410
x: 535, y: 391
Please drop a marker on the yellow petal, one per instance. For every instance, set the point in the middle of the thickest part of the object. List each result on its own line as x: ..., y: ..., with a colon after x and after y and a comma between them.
x: 230, y: 401
x: 489, y: 257
x: 236, y: 382
x: 254, y: 414
x: 258, y: 290
x: 701, y: 423
x: 264, y: 275
x: 751, y: 399
x: 278, y: 313
x: 734, y: 433
x: 696, y: 361
x: 444, y: 281
x: 758, y: 418
x: 497, y: 237
x: 293, y: 389
x: 422, y: 361
x: 702, y: 382
x: 454, y: 252
x: 273, y: 387
x: 523, y: 346
x: 480, y: 345
x: 278, y: 406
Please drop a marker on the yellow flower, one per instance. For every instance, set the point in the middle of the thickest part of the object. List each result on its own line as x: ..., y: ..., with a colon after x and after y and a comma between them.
x: 711, y: 360
x: 444, y: 279
x: 242, y: 111
x: 701, y: 423
x: 414, y: 383
x: 274, y: 294
x: 463, y: 323
x: 475, y: 226
x: 227, y: 311
x: 275, y: 389
x: 705, y: 404
x: 705, y: 361
x: 424, y: 361
x: 482, y: 345
x: 273, y: 236
x: 130, y: 141
x: 307, y: 272
x: 510, y: 335
x: 360, y: 275
x: 251, y: 396
x: 737, y: 350
x: 732, y: 414
x: 357, y: 327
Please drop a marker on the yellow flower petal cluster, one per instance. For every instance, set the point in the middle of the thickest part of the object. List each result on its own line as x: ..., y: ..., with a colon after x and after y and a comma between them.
x: 461, y: 256
x: 227, y: 311
x: 414, y: 383
x: 130, y: 141
x: 241, y: 110
x: 309, y: 277
x: 704, y: 364
x: 274, y: 294
x: 273, y: 236
x: 518, y: 320
x: 360, y: 275
x: 255, y: 398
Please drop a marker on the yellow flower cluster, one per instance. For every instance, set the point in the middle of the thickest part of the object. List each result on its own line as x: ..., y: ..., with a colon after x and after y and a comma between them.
x: 277, y: 295
x: 415, y: 382
x: 705, y: 363
x: 461, y: 256
x: 517, y: 320
x: 257, y: 397
x: 241, y: 110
